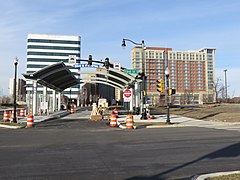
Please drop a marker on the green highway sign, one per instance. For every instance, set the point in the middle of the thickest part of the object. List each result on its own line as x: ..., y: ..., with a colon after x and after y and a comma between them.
x: 131, y: 71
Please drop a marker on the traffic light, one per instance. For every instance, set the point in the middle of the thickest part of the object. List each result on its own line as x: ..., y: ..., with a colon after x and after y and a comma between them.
x: 160, y: 85
x: 172, y: 91
x: 106, y: 63
x: 90, y: 60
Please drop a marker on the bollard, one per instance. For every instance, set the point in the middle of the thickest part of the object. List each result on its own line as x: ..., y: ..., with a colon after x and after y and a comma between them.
x: 129, y: 121
x: 113, y: 120
x: 30, y: 121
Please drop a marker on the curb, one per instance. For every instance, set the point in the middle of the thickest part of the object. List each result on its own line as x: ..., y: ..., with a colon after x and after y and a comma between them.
x: 204, y: 176
x: 11, y: 127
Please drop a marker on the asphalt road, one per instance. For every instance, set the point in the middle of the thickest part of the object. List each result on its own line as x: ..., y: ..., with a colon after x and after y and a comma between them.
x: 76, y: 148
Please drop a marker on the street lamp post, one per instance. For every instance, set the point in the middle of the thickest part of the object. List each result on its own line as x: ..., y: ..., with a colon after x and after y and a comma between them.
x: 168, y: 103
x: 144, y: 91
x: 14, y: 90
x: 225, y: 72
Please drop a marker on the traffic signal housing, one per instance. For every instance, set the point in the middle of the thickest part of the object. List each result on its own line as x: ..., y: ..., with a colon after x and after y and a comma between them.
x: 160, y: 85
x: 106, y: 63
x: 172, y: 91
x: 90, y: 60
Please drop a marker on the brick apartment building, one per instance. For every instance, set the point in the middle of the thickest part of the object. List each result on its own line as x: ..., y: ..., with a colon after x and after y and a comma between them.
x: 192, y: 73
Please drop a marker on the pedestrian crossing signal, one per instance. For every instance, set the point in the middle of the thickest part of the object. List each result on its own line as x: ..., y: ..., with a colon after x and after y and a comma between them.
x: 160, y: 85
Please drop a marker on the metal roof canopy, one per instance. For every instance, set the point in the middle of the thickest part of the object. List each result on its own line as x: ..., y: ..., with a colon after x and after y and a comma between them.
x: 57, y: 77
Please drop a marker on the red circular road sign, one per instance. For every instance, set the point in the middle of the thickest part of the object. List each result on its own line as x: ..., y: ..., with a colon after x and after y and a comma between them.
x: 127, y: 93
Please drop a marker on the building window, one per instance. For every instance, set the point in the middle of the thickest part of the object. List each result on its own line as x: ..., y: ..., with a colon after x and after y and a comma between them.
x: 52, y: 54
x: 53, y: 41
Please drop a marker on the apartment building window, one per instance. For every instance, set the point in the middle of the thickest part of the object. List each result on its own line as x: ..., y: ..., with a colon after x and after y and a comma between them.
x: 191, y: 56
x: 209, y: 57
x: 209, y: 51
x: 161, y: 55
x: 151, y: 54
x: 137, y: 65
x: 137, y: 55
x: 178, y: 55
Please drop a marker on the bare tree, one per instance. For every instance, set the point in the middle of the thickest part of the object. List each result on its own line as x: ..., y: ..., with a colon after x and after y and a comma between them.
x: 219, y: 89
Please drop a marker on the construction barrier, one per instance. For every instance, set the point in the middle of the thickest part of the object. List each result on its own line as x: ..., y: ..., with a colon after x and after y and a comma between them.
x: 6, y: 116
x: 72, y: 110
x: 113, y: 120
x: 22, y: 112
x: 129, y: 121
x: 30, y: 121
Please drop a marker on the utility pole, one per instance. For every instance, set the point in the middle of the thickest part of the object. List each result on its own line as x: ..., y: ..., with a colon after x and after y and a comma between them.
x: 225, y: 79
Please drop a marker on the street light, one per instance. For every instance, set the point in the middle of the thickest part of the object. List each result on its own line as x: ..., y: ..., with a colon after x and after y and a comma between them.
x: 144, y: 91
x: 14, y: 90
x: 167, y: 72
x: 225, y: 71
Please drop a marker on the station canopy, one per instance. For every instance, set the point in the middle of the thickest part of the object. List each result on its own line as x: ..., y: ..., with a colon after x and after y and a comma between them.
x: 57, y: 77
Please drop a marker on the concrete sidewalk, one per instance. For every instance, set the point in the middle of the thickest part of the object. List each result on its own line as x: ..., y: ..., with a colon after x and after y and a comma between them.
x: 54, y: 115
x: 180, y: 121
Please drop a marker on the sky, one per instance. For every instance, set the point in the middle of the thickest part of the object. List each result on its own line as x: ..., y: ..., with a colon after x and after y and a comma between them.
x: 180, y: 24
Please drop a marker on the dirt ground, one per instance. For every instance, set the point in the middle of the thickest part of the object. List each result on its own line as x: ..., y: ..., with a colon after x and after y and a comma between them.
x: 216, y: 112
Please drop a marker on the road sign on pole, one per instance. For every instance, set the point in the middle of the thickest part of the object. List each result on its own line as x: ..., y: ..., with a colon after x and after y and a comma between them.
x: 127, y: 95
x: 131, y: 71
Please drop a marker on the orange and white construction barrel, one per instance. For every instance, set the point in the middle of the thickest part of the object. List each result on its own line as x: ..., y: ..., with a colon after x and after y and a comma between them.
x: 6, y: 116
x: 72, y: 110
x: 129, y: 121
x: 30, y: 120
x: 12, y: 116
x: 22, y: 112
x: 113, y: 120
